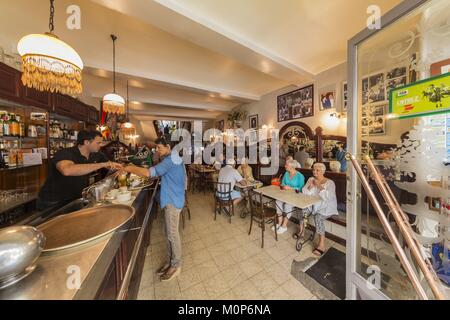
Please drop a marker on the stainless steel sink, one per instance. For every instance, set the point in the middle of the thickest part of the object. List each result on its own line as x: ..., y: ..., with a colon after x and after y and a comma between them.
x: 81, y: 227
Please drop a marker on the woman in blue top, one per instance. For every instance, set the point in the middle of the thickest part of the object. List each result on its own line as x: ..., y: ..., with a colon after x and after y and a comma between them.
x: 292, y: 180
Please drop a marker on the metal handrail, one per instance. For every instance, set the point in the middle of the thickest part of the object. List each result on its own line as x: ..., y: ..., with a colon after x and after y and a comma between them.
x: 122, y: 295
x: 405, y: 228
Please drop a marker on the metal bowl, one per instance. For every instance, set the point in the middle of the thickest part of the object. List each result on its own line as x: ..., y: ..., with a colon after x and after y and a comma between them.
x: 20, y: 247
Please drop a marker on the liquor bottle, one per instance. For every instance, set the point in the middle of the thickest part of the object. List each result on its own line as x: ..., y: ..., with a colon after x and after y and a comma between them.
x: 21, y: 126
x: 4, y: 156
x: 13, y: 155
x: 1, y: 124
x: 6, y: 132
x: 14, y: 127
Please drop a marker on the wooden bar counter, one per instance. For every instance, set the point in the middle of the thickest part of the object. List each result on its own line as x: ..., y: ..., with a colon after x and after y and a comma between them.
x: 97, y: 270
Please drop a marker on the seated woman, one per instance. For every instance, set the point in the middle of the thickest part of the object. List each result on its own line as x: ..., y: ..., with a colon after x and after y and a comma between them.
x: 246, y: 171
x: 325, y: 188
x: 292, y: 180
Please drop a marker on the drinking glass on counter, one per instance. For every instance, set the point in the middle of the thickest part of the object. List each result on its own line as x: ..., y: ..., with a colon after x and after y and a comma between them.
x: 122, y: 178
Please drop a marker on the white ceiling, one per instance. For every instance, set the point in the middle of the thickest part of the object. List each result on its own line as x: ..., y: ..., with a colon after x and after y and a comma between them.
x: 193, y: 59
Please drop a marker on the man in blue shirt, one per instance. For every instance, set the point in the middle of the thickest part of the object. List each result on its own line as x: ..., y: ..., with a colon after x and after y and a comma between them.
x: 172, y: 172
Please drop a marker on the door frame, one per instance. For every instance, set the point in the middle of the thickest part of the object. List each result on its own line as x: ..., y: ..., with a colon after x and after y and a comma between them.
x: 356, y: 286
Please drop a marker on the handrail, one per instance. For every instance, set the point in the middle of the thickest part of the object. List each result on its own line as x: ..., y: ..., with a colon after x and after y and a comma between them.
x: 405, y: 228
x: 130, y: 268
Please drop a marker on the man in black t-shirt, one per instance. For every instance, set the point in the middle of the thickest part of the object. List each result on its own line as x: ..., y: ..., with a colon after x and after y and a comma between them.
x: 70, y: 168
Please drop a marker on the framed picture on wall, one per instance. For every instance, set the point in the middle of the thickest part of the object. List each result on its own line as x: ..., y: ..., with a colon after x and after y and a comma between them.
x: 344, y: 96
x: 396, y: 77
x: 253, y: 121
x: 440, y: 67
x: 327, y: 98
x: 221, y: 125
x: 373, y: 120
x: 296, y: 104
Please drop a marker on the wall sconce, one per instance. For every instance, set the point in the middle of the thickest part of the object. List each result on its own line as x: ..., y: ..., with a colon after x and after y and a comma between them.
x: 338, y: 115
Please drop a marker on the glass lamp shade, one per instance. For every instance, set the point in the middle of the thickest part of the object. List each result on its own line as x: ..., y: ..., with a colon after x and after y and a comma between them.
x: 113, y: 103
x: 50, y: 64
x: 126, y: 125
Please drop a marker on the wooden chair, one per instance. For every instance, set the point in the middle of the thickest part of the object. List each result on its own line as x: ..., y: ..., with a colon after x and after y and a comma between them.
x: 261, y: 213
x: 222, y: 199
x: 193, y: 179
x: 185, y: 209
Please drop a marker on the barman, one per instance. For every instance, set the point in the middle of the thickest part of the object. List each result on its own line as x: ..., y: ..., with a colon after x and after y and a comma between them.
x: 69, y: 170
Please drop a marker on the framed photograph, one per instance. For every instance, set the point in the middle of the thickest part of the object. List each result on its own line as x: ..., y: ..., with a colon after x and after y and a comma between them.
x: 344, y: 96
x: 440, y: 67
x: 365, y: 90
x: 296, y: 104
x: 398, y: 72
x: 221, y: 125
x: 253, y: 122
x: 373, y: 121
x: 38, y: 116
x: 327, y: 98
x: 377, y: 88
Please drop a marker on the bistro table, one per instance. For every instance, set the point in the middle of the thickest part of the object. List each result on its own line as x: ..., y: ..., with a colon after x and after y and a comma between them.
x: 244, y: 190
x: 204, y: 172
x: 298, y: 200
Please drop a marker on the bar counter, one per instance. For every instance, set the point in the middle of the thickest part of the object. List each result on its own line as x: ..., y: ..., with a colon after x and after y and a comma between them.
x: 96, y: 270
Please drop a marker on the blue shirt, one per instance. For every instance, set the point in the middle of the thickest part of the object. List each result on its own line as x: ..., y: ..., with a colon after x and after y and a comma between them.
x: 340, y: 156
x: 297, y: 181
x: 173, y: 180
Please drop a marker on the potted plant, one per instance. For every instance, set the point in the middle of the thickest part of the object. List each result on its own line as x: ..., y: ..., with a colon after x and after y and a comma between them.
x: 236, y: 117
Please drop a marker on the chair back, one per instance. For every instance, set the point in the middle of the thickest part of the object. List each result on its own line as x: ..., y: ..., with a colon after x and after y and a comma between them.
x: 222, y: 190
x: 256, y: 203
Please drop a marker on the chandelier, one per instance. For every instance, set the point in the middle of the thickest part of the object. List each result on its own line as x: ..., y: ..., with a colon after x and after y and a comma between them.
x: 112, y: 102
x: 50, y: 64
x: 127, y: 128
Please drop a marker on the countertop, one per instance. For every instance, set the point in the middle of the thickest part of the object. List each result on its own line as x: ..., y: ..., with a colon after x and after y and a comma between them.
x: 75, y: 274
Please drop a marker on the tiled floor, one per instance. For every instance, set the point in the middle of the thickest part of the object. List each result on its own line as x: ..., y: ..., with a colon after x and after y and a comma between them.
x: 221, y: 261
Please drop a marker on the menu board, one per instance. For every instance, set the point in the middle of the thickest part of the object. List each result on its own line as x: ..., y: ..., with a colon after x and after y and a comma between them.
x: 421, y: 98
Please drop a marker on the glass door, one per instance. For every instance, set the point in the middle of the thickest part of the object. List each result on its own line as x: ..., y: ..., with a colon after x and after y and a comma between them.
x: 410, y: 153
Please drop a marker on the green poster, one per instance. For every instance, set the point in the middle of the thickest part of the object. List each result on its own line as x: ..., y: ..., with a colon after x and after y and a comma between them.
x: 421, y: 98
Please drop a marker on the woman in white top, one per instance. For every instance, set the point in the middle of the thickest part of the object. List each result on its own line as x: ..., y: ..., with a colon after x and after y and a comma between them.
x: 325, y: 188
x: 245, y: 170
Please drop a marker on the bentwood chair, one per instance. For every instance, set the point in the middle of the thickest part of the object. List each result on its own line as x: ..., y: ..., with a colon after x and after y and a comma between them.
x: 222, y: 199
x: 261, y: 213
x: 193, y: 179
x: 185, y: 209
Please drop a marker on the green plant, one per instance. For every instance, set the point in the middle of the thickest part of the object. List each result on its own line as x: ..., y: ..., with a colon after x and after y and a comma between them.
x: 237, y: 116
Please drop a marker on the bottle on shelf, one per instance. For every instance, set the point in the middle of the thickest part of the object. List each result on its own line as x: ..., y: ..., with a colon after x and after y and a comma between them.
x: 21, y: 126
x: 6, y: 132
x: 13, y: 155
x: 4, y: 156
x: 14, y: 126
x: 2, y: 114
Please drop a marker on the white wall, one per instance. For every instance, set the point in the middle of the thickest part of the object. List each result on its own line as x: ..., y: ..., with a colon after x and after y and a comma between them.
x: 266, y: 108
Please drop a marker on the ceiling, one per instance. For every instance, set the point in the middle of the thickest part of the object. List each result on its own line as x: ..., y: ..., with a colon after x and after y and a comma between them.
x: 195, y: 59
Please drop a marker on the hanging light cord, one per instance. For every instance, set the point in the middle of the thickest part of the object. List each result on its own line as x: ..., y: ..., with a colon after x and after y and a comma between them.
x: 114, y: 38
x: 51, y: 25
x: 128, y: 101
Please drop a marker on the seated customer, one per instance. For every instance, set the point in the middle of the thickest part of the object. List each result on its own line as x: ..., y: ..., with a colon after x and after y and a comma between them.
x: 325, y: 188
x: 228, y: 174
x: 246, y: 171
x: 292, y: 180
